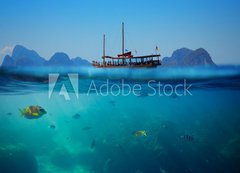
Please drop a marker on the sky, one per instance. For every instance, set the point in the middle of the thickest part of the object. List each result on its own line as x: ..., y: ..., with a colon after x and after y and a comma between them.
x: 76, y: 27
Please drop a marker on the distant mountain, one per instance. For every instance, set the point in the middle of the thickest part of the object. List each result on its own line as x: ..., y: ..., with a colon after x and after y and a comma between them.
x: 79, y: 61
x: 8, y: 61
x: 59, y: 59
x: 188, y: 57
x: 22, y: 56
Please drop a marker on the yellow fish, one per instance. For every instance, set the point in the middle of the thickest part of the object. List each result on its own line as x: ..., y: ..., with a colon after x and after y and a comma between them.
x: 140, y: 133
x: 32, y: 112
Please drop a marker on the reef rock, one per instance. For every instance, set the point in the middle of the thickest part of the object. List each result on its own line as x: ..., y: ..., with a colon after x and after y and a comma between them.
x: 16, y: 159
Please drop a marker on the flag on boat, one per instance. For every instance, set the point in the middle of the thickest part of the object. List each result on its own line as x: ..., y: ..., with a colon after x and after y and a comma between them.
x: 157, y: 49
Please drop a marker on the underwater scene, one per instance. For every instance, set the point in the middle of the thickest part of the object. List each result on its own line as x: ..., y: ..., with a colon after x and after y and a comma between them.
x: 71, y: 122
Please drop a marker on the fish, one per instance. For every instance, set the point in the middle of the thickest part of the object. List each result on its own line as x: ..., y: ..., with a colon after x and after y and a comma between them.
x: 9, y: 113
x: 187, y: 137
x: 52, y: 126
x: 76, y: 116
x: 93, y: 144
x: 86, y: 128
x: 112, y: 102
x: 140, y: 133
x: 33, y: 112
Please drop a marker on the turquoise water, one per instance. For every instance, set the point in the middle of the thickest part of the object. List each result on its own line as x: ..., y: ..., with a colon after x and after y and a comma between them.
x: 100, y: 139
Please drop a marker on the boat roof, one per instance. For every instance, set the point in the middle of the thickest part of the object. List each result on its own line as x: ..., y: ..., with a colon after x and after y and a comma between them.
x: 129, y: 57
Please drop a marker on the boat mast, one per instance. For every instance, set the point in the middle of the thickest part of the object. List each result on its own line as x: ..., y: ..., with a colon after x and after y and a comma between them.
x: 122, y: 38
x: 104, y: 49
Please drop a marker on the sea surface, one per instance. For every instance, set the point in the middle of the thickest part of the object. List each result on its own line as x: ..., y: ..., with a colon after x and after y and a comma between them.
x: 93, y: 116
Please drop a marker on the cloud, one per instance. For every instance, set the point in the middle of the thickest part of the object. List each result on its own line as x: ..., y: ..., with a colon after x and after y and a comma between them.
x: 7, y: 50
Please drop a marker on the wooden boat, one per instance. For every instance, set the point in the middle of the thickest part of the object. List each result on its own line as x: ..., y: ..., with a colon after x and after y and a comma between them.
x: 126, y: 59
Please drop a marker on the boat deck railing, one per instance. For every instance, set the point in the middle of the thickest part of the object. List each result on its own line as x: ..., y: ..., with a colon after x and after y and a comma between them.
x: 124, y: 64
